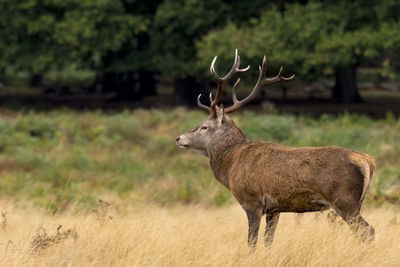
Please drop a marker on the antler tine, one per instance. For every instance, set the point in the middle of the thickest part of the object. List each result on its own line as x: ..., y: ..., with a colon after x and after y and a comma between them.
x: 234, y: 98
x: 202, y: 106
x: 262, y: 81
x: 221, y: 82
x: 277, y: 78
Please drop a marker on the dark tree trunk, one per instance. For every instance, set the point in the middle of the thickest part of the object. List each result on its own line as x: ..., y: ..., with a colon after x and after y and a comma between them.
x: 107, y: 81
x: 284, y: 92
x: 36, y: 80
x: 128, y: 87
x: 186, y: 91
x: 125, y: 85
x: 345, y: 90
x: 147, y: 83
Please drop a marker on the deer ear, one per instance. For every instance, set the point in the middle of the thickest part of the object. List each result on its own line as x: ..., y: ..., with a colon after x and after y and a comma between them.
x: 221, y: 114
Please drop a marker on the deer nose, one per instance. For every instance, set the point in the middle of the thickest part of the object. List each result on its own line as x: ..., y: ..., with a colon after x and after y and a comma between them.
x: 177, y: 139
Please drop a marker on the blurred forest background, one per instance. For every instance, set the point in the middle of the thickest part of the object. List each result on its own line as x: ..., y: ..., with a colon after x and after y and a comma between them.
x: 93, y: 92
x: 158, y: 52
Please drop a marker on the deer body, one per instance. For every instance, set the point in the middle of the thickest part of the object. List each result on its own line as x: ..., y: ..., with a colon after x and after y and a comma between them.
x: 284, y: 179
x: 268, y: 178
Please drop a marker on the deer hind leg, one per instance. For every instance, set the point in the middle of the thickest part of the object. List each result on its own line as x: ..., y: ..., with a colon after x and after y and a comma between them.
x: 271, y: 223
x: 254, y: 218
x: 361, y: 228
x: 351, y: 214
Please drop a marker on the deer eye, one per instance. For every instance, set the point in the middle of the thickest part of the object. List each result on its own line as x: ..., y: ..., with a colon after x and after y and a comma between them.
x: 204, y: 128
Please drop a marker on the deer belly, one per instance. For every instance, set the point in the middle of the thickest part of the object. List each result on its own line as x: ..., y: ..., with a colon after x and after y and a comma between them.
x: 303, y: 202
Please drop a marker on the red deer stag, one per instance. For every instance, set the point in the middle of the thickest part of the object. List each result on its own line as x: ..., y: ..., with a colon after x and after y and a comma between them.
x: 268, y: 178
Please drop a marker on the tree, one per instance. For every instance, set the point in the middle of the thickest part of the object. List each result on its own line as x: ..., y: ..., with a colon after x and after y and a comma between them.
x: 178, y: 25
x: 68, y: 38
x: 122, y: 44
x: 130, y: 70
x: 312, y: 39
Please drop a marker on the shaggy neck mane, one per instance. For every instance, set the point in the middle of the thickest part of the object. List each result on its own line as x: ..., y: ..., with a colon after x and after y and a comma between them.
x: 221, y: 150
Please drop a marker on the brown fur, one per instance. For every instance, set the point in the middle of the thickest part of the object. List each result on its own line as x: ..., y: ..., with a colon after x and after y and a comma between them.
x: 268, y: 178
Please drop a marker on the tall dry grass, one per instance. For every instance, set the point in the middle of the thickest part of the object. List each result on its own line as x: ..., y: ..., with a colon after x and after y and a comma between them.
x: 189, y: 235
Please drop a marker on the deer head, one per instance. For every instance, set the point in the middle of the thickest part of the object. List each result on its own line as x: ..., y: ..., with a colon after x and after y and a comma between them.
x: 218, y: 129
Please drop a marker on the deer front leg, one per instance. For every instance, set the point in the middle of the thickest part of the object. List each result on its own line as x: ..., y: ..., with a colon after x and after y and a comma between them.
x: 254, y: 217
x: 271, y: 223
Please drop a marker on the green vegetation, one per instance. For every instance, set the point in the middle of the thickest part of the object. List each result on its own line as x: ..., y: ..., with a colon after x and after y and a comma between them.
x: 314, y: 40
x: 64, y: 157
x: 120, y: 45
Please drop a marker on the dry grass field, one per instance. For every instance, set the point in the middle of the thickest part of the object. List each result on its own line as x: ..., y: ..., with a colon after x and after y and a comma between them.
x: 149, y: 235
x: 54, y: 167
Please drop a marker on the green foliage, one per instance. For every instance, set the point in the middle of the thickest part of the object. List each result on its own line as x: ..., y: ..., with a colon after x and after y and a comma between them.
x: 74, y: 42
x: 176, y: 24
x: 66, y: 38
x: 70, y: 42
x: 310, y: 39
x: 65, y: 158
x: 70, y: 75
x: 276, y: 128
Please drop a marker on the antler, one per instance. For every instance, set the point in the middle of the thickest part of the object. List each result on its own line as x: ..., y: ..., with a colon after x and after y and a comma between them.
x: 262, y: 81
x: 221, y: 83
